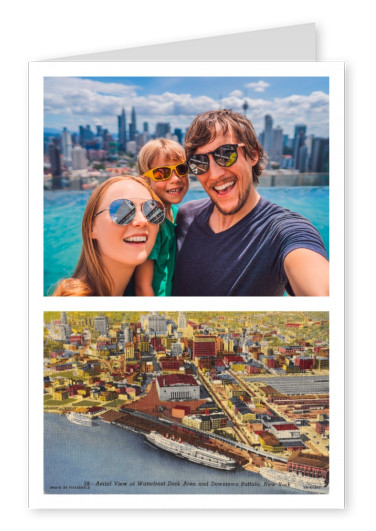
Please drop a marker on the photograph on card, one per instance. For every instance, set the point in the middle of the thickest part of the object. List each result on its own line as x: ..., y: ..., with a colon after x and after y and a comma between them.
x: 186, y: 186
x: 186, y: 403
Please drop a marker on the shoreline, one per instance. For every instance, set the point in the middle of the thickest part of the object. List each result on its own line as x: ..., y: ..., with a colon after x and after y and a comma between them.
x: 247, y: 466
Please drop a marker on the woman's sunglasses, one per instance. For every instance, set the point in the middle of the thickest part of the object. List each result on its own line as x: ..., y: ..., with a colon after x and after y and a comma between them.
x: 123, y: 211
x: 164, y: 172
x: 224, y: 156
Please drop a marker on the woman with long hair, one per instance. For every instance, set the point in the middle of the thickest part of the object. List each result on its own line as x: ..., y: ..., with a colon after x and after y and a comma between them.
x: 119, y: 228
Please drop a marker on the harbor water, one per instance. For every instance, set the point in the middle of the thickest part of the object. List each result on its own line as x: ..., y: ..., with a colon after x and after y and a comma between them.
x: 107, y: 459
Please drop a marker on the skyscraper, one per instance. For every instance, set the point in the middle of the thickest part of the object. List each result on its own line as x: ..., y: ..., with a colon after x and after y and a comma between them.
x: 299, y: 141
x: 86, y: 135
x: 182, y: 321
x: 268, y: 136
x: 157, y: 323
x: 122, y: 131
x: 132, y: 125
x: 99, y: 130
x: 54, y: 156
x: 127, y: 332
x: 66, y: 144
x: 179, y: 134
x: 302, y: 159
x: 320, y: 155
x: 141, y: 140
x: 277, y: 141
x: 176, y: 349
x: 101, y: 324
x: 161, y: 130
x: 79, y: 158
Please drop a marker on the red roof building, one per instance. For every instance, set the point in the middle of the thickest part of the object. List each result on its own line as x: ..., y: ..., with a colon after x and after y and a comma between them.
x: 177, y: 387
x: 304, y: 363
x: 309, y: 465
x: 204, y: 346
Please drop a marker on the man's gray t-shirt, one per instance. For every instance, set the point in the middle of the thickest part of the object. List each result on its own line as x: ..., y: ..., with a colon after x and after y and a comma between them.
x: 246, y: 259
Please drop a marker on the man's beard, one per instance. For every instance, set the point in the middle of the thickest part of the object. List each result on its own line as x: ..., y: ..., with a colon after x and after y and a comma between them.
x: 242, y: 201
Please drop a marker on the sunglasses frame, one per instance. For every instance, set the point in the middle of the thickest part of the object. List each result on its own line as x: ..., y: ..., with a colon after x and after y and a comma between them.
x: 150, y: 175
x: 134, y: 205
x: 236, y: 146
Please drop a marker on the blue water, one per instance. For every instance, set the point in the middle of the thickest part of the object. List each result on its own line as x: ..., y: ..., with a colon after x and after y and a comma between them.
x: 78, y: 459
x: 63, y: 211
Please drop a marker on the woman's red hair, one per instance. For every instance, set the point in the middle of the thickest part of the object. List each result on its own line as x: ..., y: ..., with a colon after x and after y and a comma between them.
x: 90, y: 278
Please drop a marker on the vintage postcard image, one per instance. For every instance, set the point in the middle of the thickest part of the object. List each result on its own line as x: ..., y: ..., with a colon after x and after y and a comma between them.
x: 185, y: 403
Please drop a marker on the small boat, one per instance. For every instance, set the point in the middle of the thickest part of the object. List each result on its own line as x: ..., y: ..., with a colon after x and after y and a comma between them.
x: 79, y: 418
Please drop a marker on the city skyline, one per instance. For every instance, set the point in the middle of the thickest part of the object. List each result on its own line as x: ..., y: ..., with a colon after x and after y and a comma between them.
x: 70, y: 102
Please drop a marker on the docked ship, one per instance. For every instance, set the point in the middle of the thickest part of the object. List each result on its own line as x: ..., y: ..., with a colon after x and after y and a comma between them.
x: 295, y: 481
x: 198, y: 455
x: 79, y: 418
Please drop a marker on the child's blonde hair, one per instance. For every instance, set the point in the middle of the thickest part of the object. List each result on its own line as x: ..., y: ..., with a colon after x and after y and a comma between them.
x: 170, y: 149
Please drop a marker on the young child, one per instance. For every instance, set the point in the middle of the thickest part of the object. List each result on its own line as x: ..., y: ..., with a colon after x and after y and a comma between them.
x: 162, y: 163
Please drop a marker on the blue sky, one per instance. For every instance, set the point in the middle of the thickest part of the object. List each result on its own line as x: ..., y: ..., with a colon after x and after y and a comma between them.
x: 70, y: 102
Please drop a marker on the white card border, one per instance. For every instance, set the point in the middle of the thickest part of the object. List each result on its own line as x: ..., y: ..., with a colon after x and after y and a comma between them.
x: 334, y: 303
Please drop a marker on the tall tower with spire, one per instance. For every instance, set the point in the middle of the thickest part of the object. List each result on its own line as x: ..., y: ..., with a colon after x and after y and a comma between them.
x: 132, y: 125
x: 122, y: 129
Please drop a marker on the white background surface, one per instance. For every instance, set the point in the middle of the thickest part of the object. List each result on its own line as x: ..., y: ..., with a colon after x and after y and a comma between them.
x: 41, y: 30
x: 37, y: 72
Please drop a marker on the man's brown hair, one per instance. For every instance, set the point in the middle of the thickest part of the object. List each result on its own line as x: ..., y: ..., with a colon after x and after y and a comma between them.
x: 206, y: 126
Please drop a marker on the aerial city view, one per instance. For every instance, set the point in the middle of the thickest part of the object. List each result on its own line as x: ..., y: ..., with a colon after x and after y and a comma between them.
x: 186, y: 402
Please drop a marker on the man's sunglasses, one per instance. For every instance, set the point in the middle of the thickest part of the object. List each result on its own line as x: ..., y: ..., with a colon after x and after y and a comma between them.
x: 224, y: 156
x: 123, y: 211
x: 164, y: 172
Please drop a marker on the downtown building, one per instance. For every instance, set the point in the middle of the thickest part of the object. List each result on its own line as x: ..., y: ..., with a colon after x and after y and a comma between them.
x: 101, y: 324
x: 157, y: 324
x: 182, y: 321
x: 122, y: 131
x: 79, y: 158
x: 204, y: 346
x: 66, y: 144
x: 177, y: 387
x: 54, y: 156
x: 132, y: 126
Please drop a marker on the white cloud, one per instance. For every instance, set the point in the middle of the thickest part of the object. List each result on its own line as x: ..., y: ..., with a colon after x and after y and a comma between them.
x: 71, y: 102
x: 260, y: 86
x: 236, y: 93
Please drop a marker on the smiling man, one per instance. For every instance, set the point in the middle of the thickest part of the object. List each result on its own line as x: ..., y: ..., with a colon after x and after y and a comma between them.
x: 236, y: 242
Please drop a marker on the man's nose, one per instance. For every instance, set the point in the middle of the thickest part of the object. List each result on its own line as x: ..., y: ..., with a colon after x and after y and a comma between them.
x: 215, y: 170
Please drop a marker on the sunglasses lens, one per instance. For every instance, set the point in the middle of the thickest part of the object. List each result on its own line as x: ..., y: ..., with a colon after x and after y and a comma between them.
x: 182, y: 169
x: 161, y: 174
x: 122, y: 211
x: 226, y: 155
x: 153, y: 211
x: 198, y: 164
